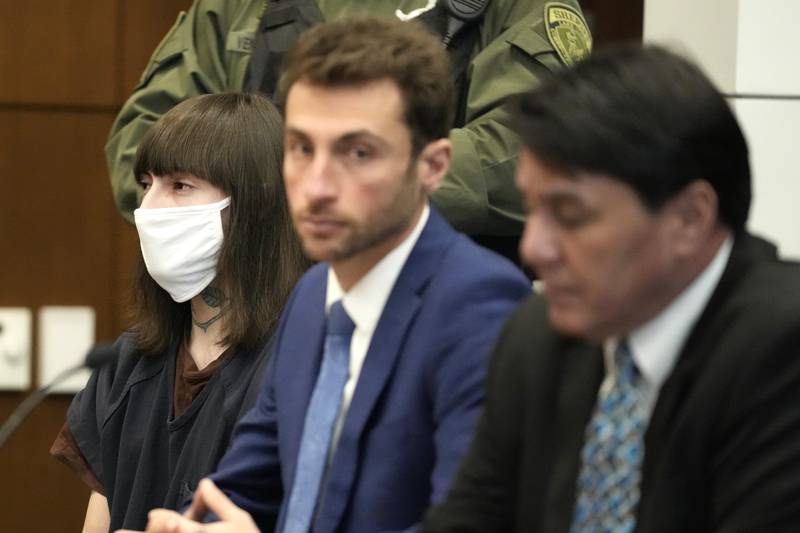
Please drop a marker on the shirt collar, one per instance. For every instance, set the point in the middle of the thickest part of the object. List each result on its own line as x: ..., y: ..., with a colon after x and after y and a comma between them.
x: 365, y: 300
x: 656, y: 344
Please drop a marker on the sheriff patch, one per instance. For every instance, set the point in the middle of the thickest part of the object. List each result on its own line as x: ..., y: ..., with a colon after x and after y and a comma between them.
x: 567, y: 32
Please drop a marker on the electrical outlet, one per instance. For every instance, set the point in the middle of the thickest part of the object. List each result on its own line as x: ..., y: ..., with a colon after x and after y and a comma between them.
x: 65, y: 335
x: 15, y: 348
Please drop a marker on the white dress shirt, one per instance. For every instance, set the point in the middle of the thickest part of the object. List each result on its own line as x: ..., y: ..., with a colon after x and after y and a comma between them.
x: 656, y: 344
x: 364, y: 303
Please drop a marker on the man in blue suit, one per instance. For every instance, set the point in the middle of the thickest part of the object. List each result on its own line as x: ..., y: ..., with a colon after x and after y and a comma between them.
x: 409, y: 305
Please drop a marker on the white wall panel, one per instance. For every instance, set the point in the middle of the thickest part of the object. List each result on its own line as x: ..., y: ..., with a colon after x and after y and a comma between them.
x: 768, y: 49
x: 772, y: 128
x: 704, y: 30
x: 66, y: 333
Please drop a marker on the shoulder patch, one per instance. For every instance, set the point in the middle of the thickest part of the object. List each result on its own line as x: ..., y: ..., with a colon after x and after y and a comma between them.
x: 568, y: 32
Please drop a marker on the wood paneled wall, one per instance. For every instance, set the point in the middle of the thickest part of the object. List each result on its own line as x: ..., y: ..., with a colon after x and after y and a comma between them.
x: 614, y: 21
x: 65, y: 68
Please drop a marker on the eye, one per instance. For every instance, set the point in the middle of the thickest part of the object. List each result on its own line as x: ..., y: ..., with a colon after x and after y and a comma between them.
x: 569, y: 211
x: 144, y: 182
x: 359, y: 152
x: 527, y: 206
x: 570, y: 215
x: 299, y: 148
x: 179, y: 185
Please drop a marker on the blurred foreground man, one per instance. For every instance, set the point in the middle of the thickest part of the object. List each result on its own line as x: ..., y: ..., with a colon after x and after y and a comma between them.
x: 377, y: 377
x: 658, y: 387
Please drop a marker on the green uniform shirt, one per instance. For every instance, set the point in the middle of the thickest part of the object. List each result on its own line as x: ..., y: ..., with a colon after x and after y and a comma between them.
x: 208, y: 50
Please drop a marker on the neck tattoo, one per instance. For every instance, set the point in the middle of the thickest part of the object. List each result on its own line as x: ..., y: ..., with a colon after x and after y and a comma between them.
x: 207, y: 324
x: 212, y: 297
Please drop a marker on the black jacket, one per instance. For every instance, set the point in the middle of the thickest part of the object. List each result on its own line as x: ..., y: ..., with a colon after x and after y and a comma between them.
x: 722, y: 450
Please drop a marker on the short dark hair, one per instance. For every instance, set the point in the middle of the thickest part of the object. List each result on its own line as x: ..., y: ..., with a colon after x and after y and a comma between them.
x: 356, y: 51
x: 235, y: 142
x: 647, y: 117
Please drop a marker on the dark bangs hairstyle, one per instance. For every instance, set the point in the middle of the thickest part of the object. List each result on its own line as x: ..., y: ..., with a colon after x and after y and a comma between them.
x: 359, y: 50
x: 644, y: 116
x: 235, y: 142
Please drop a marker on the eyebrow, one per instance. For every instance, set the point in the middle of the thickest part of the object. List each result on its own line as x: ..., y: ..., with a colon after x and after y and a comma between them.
x: 288, y: 130
x: 346, y: 138
x: 555, y: 199
x: 562, y: 196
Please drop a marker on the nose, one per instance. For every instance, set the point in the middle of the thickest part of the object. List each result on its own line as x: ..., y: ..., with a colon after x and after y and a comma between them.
x: 539, y: 247
x: 320, y: 182
x: 154, y: 195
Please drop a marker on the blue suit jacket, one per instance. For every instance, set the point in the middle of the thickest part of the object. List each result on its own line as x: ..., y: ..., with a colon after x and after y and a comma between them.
x: 415, y: 404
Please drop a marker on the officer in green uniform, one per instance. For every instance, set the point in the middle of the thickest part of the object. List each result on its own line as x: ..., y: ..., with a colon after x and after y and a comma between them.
x: 515, y: 43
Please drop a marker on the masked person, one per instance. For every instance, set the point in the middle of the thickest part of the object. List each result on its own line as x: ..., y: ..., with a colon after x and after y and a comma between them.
x: 219, y: 260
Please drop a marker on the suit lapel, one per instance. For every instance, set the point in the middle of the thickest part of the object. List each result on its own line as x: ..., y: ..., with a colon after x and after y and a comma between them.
x: 746, y: 251
x: 580, y: 377
x: 702, y: 342
x: 384, y: 350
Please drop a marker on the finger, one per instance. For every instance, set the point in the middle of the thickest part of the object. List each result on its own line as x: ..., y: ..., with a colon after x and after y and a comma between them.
x: 215, y: 501
x: 197, y: 510
x: 163, y: 521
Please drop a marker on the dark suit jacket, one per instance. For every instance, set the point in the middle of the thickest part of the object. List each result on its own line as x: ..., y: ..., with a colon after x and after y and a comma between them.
x: 417, y: 398
x: 722, y: 450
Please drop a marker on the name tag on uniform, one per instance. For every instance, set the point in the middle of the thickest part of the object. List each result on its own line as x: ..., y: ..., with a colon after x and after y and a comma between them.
x: 240, y: 41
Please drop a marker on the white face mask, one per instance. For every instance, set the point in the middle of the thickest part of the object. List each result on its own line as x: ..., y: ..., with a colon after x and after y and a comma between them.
x: 180, y: 246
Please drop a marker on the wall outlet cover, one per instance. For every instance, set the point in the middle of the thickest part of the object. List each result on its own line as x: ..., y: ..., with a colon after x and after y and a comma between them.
x: 65, y: 336
x: 15, y: 348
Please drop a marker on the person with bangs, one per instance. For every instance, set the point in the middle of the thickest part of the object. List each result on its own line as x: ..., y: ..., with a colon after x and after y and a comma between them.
x: 219, y: 258
x: 377, y: 375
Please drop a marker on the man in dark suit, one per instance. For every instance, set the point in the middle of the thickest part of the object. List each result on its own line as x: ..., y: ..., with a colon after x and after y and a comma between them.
x: 380, y: 356
x: 657, y: 386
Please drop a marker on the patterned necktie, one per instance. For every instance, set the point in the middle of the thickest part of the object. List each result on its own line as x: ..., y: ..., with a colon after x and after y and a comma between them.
x: 320, y: 418
x: 609, y: 480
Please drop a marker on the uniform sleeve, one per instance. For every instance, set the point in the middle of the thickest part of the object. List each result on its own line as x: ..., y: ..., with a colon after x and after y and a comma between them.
x: 200, y: 54
x: 478, y: 196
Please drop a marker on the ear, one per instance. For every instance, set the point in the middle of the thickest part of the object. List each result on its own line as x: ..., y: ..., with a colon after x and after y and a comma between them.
x: 433, y: 163
x: 695, y: 217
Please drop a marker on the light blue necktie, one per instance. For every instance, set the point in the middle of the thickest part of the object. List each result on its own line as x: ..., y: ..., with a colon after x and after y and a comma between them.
x: 609, y: 479
x: 320, y: 419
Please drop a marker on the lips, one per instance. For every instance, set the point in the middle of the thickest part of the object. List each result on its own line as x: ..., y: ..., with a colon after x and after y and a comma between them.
x: 320, y: 226
x: 558, y: 294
